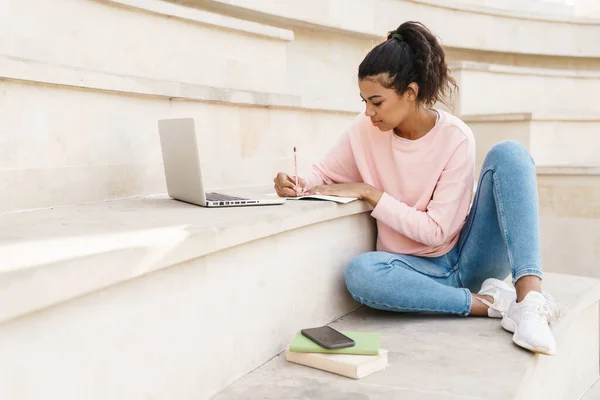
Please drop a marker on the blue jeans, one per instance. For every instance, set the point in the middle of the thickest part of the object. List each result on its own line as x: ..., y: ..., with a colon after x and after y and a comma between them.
x: 500, y: 236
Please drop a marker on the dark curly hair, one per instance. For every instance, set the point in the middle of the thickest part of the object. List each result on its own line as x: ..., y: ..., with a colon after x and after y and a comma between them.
x: 411, y: 53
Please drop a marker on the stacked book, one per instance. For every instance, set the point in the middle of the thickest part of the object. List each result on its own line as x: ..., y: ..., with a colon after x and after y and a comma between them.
x: 356, y: 362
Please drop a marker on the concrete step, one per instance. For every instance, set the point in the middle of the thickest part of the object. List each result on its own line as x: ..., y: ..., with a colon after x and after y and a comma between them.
x: 98, y: 155
x: 250, y: 112
x: 487, y: 88
x: 569, y: 199
x: 179, y: 44
x: 153, y: 298
x: 552, y: 140
x: 536, y: 7
x: 441, y: 357
x: 515, y: 31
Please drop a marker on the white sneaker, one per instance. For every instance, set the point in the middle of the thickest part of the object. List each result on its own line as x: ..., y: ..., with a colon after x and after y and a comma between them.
x: 529, y: 321
x: 502, y: 293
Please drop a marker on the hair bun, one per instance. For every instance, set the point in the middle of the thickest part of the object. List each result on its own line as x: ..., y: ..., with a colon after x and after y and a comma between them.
x: 395, y: 35
x: 421, y: 60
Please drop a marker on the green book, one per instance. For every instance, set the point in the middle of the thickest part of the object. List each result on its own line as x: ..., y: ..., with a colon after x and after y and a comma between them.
x: 366, y: 343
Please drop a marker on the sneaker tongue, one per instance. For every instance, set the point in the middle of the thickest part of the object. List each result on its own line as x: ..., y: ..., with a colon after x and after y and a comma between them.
x: 535, y: 297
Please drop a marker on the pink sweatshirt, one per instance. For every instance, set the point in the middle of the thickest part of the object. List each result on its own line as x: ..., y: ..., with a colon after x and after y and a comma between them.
x: 427, y: 183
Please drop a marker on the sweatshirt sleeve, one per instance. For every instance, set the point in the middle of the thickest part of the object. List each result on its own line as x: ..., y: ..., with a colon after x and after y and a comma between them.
x: 338, y: 166
x: 445, y: 212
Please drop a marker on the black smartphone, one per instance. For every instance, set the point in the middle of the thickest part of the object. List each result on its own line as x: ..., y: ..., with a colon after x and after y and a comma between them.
x: 328, y: 337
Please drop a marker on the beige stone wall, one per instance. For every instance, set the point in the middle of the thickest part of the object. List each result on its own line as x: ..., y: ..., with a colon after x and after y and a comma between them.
x: 77, y: 146
x: 472, y: 28
x: 587, y: 8
x: 570, y: 220
x: 82, y: 84
x: 79, y: 108
x: 541, y: 7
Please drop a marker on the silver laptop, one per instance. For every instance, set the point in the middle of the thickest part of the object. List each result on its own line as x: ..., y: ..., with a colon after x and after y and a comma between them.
x: 181, y: 160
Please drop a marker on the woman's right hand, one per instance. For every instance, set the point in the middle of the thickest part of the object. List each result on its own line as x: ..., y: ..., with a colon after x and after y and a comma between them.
x: 285, y: 186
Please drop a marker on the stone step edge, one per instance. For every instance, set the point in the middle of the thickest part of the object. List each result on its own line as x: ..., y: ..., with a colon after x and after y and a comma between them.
x: 169, y: 9
x: 528, y: 116
x: 36, y: 72
x: 28, y: 264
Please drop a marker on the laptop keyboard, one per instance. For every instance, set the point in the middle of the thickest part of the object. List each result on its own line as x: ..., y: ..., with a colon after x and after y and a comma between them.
x: 221, y: 197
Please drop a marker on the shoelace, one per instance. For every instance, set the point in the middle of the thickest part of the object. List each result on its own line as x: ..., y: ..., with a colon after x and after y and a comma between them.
x: 536, y: 312
x: 550, y: 308
x: 546, y: 312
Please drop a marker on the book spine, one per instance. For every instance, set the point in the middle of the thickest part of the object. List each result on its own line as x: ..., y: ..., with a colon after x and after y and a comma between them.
x: 322, y: 363
x: 294, y: 349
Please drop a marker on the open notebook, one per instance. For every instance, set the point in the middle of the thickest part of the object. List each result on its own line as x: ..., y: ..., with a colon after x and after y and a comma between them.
x: 319, y: 197
x: 343, y: 200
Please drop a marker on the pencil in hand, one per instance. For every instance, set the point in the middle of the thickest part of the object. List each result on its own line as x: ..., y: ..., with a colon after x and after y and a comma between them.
x: 295, y: 170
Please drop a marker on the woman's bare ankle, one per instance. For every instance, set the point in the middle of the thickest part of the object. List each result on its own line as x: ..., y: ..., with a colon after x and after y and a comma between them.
x: 527, y: 284
x: 478, y: 307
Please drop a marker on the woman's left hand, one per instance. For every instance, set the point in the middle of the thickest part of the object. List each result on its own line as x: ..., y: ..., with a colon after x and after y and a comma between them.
x: 361, y: 191
x: 340, y: 190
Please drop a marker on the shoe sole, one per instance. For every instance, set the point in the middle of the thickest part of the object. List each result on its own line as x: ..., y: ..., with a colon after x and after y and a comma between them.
x: 511, y: 326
